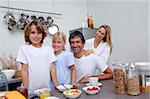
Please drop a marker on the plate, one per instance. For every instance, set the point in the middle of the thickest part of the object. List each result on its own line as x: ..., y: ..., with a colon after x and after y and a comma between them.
x: 98, y: 84
x: 62, y: 88
x: 53, y: 29
x: 52, y: 97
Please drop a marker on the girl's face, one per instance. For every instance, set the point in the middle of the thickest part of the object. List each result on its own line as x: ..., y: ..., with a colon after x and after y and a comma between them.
x: 100, y: 34
x: 35, y: 37
x: 58, y: 45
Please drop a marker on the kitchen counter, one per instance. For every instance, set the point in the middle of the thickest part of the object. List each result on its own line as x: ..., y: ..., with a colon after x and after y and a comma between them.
x: 106, y: 92
x: 12, y: 83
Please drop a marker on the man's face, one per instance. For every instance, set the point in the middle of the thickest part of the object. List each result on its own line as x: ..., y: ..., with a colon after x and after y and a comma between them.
x: 76, y: 45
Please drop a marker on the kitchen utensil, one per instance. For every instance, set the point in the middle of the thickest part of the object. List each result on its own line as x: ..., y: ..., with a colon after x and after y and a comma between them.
x: 53, y: 29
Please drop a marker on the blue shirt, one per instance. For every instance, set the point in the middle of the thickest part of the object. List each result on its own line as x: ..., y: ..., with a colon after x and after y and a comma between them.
x: 64, y: 61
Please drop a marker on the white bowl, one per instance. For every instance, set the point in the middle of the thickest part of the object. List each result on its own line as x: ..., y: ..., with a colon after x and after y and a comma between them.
x: 62, y: 88
x: 9, y: 73
x: 52, y: 97
x: 91, y: 90
x: 42, y: 91
x: 72, y: 93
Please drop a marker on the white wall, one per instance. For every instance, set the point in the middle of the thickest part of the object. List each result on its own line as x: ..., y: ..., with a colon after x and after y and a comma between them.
x: 128, y: 20
x: 148, y: 30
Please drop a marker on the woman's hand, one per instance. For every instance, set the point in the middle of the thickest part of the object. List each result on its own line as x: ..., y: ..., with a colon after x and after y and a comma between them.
x: 84, y: 79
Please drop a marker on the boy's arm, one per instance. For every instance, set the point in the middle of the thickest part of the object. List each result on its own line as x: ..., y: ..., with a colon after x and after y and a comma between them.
x: 53, y: 74
x: 25, y: 75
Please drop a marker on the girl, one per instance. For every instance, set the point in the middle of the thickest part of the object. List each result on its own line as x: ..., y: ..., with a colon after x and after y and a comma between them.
x: 66, y: 72
x: 36, y: 59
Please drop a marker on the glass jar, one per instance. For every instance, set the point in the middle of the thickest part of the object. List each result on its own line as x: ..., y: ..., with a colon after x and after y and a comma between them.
x: 90, y: 22
x: 132, y: 79
x: 119, y: 78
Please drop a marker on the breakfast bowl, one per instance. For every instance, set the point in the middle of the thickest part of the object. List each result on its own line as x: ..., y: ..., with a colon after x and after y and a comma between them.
x: 52, y: 97
x: 42, y: 93
x: 72, y: 93
x: 62, y: 88
x: 91, y: 90
x: 9, y: 73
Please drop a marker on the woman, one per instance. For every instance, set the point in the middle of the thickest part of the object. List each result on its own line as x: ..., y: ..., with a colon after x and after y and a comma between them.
x: 101, y: 45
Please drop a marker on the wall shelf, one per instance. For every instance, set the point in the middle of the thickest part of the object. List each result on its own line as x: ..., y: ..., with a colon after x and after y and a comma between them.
x: 29, y: 10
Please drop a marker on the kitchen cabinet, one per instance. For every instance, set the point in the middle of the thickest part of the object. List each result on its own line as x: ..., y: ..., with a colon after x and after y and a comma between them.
x: 87, y: 32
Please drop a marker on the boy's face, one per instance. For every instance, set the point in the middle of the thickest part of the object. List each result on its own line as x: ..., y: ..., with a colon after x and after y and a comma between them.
x: 34, y: 36
x: 76, y: 45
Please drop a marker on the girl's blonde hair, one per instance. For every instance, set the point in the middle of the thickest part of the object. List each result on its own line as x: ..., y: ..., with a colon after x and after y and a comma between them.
x: 107, y: 37
x: 61, y: 35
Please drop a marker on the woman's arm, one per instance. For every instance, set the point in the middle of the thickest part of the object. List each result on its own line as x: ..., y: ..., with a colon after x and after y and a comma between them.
x: 73, y: 75
x: 25, y: 75
x: 53, y: 74
x: 107, y: 74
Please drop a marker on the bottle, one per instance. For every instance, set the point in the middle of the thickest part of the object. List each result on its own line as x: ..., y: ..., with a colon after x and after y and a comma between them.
x: 90, y: 21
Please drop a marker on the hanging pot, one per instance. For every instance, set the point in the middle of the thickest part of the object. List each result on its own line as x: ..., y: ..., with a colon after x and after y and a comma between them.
x: 8, y: 18
x: 12, y: 26
x: 48, y: 22
x: 22, y: 21
x: 41, y: 20
x: 33, y: 17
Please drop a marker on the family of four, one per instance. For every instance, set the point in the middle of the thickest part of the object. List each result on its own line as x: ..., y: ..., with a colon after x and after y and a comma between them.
x: 47, y: 67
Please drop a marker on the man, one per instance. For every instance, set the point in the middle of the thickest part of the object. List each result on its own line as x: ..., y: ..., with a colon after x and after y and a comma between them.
x: 86, y: 61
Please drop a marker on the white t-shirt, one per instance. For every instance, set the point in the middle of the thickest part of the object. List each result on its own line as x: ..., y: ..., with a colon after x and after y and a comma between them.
x: 38, y: 60
x: 87, y: 65
x: 102, y: 50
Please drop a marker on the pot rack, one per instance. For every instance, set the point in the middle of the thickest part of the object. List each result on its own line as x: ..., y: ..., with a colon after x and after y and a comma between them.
x: 29, y: 10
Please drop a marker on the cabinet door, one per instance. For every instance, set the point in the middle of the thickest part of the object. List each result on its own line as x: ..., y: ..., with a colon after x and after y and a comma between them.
x: 87, y: 32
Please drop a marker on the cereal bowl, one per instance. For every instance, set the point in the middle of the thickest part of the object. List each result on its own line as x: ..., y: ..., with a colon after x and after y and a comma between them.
x: 52, y: 97
x: 62, y: 88
x: 72, y: 93
x: 44, y: 92
x: 91, y: 90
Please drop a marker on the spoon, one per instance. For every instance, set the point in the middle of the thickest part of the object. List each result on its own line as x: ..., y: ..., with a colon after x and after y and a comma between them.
x: 65, y: 86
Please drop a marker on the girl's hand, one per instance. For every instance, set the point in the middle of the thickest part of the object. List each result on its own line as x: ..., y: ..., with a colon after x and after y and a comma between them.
x: 74, y: 86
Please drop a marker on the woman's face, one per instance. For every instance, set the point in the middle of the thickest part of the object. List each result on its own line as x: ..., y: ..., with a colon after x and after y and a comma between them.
x: 58, y: 44
x: 100, y: 34
x: 34, y: 36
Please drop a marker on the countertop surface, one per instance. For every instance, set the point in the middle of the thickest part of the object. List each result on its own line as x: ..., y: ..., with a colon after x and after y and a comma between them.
x: 106, y: 92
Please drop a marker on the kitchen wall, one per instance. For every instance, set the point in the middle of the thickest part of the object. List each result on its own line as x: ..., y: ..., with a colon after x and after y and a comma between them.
x: 148, y: 30
x: 128, y: 19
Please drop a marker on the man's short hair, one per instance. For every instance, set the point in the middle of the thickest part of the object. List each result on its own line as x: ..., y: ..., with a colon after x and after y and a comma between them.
x: 76, y: 34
